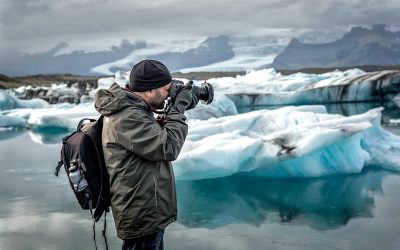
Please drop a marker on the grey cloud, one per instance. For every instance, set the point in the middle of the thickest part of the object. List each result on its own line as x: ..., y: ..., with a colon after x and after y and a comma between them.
x: 29, y: 22
x: 14, y: 12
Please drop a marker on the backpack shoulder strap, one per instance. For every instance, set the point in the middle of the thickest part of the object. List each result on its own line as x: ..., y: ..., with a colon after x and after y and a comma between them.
x: 60, y: 163
x: 78, y: 128
x: 95, y: 132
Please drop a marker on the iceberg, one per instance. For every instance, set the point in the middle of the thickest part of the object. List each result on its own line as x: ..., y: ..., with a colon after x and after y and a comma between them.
x: 62, y: 118
x: 303, y: 141
x: 266, y: 81
x: 120, y: 77
x: 266, y: 87
x: 11, y: 126
x: 220, y: 107
x: 63, y: 90
x: 9, y: 101
x: 22, y: 113
x: 11, y: 122
x: 67, y: 116
x: 70, y: 117
x: 288, y: 142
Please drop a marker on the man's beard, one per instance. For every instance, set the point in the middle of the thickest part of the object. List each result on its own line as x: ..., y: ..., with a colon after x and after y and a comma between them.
x: 158, y: 101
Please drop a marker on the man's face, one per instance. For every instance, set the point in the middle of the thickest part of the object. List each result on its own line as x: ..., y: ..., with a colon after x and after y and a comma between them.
x: 159, y: 95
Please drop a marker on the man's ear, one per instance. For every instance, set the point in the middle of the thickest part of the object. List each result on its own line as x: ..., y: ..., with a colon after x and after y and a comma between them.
x: 149, y: 93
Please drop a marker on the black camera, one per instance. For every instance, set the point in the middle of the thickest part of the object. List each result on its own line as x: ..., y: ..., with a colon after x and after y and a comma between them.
x: 204, y: 93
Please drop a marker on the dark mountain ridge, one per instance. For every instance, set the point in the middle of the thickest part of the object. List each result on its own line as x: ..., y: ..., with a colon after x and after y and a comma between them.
x: 361, y: 46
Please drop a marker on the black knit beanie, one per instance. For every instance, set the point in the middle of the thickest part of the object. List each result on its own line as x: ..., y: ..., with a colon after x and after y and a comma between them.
x: 147, y: 75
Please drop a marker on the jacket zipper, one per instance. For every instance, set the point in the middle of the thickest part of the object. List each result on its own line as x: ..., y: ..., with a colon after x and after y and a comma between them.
x: 155, y: 193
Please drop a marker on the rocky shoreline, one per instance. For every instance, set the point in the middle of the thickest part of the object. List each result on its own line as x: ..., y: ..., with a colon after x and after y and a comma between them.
x: 45, y: 80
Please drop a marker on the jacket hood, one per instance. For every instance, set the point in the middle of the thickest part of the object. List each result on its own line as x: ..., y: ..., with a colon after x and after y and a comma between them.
x: 114, y: 99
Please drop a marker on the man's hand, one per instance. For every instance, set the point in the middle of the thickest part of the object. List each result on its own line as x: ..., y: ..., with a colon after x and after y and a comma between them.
x: 195, y: 101
x: 183, y: 100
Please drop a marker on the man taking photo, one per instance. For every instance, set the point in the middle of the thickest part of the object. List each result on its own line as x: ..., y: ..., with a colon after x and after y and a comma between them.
x: 138, y: 151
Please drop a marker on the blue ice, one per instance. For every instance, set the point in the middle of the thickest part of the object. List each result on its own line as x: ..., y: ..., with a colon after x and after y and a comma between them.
x: 301, y: 141
x: 287, y: 142
x: 296, y: 89
x: 9, y: 101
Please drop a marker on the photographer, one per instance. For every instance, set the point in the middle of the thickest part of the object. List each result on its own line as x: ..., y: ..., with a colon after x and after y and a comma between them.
x: 138, y: 151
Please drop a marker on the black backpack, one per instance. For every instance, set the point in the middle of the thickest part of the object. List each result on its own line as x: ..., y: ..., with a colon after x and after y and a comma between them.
x: 83, y: 160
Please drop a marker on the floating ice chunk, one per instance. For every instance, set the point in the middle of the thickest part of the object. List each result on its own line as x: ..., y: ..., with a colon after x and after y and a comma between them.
x: 11, y: 122
x: 266, y: 87
x: 62, y: 89
x: 120, y: 77
x: 64, y: 118
x: 85, y: 99
x: 9, y: 101
x: 221, y: 106
x: 285, y: 142
x: 394, y: 121
x: 260, y: 81
x: 67, y: 116
x: 267, y: 81
x: 106, y: 82
x: 383, y: 147
x: 24, y: 113
x: 21, y: 113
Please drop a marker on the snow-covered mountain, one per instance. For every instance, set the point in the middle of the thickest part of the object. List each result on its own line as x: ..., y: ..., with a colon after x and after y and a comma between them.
x: 212, y: 50
x: 259, y: 51
x: 221, y: 53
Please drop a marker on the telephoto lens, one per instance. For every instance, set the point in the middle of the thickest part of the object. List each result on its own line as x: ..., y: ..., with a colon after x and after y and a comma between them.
x: 204, y: 93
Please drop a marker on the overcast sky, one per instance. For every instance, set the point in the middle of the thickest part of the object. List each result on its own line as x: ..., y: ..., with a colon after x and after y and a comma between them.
x: 41, y: 24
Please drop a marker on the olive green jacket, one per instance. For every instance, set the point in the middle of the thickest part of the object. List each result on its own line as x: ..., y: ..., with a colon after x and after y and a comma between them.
x: 137, y: 152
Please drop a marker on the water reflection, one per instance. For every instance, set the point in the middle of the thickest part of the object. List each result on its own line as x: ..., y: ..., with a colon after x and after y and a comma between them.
x: 391, y: 111
x: 41, y: 136
x: 6, y: 134
x: 322, y: 203
x: 48, y: 135
x: 39, y: 211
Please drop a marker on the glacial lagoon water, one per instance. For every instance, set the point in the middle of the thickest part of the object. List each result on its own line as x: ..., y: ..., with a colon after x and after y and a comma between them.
x: 357, y: 211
